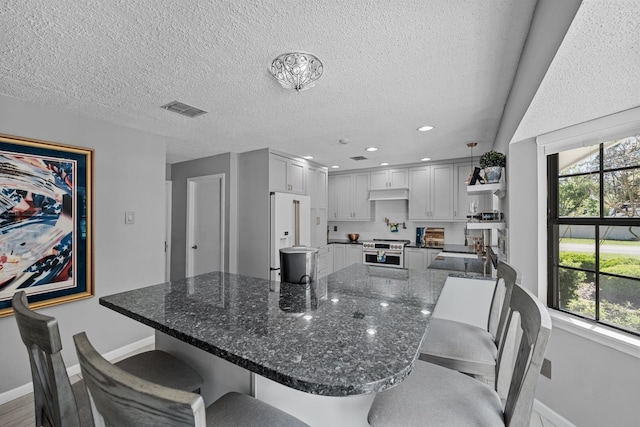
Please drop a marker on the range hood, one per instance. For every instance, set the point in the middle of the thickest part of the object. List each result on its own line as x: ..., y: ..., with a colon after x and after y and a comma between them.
x: 389, y: 194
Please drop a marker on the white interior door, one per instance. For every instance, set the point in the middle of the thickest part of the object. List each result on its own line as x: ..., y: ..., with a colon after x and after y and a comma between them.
x: 205, y: 224
x: 167, y: 230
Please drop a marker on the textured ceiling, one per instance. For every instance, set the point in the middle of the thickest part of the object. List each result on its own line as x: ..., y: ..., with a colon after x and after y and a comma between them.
x: 595, y: 71
x: 389, y: 67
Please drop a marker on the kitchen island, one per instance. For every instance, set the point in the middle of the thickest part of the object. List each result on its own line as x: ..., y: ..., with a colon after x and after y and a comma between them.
x: 306, y: 349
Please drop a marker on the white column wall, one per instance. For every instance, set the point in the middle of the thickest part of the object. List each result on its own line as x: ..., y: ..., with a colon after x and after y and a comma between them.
x: 594, y: 382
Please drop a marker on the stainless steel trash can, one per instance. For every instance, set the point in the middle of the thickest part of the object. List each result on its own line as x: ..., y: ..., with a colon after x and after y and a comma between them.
x: 298, y: 264
x: 298, y: 270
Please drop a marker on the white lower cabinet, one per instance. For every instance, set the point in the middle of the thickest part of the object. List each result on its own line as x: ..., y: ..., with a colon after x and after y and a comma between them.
x: 354, y: 254
x: 325, y: 261
x: 346, y: 254
x: 419, y: 258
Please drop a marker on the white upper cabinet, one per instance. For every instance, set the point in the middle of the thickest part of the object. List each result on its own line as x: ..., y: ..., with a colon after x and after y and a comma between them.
x: 389, y: 179
x: 431, y: 193
x: 317, y: 186
x: 286, y: 175
x: 349, y: 197
x: 317, y: 191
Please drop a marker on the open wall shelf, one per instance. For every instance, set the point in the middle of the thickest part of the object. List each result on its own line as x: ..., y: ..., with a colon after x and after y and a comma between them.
x: 499, y: 189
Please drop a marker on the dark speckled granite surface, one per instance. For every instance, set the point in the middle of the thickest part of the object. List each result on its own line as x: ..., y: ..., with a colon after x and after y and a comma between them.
x: 240, y: 319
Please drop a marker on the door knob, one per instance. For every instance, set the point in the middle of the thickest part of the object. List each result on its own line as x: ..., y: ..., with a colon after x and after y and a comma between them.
x: 194, y: 247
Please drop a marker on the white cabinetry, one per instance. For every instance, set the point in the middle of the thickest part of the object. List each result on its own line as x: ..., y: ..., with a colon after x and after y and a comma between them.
x: 389, y: 179
x: 286, y: 175
x: 354, y: 254
x: 349, y: 197
x: 346, y: 254
x: 431, y: 193
x: 463, y: 199
x: 419, y: 258
x: 317, y: 186
x: 325, y: 261
x: 339, y: 256
x: 317, y: 191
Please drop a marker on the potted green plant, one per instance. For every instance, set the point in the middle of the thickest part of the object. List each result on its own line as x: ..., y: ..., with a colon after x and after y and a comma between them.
x: 492, y: 162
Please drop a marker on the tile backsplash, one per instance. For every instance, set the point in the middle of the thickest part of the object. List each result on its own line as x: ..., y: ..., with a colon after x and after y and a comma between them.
x: 397, y: 212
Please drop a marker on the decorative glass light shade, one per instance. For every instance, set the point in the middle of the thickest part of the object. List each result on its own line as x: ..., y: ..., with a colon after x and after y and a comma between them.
x: 296, y: 70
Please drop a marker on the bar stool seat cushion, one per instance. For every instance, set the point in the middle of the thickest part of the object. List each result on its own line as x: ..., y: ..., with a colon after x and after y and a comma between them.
x: 436, y: 396
x: 235, y: 409
x: 162, y: 368
x: 473, y: 350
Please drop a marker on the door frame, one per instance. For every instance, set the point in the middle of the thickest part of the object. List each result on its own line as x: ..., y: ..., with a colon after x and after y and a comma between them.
x: 168, y: 196
x: 191, y: 184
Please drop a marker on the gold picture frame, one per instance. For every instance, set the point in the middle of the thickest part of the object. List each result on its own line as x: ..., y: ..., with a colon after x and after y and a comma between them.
x: 46, y: 222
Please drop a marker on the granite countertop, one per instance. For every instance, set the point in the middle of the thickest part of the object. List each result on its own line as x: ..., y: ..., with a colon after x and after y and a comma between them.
x: 268, y: 331
x: 343, y: 242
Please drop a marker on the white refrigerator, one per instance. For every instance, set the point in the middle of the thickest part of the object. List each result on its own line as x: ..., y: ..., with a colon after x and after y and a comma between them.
x: 290, y: 226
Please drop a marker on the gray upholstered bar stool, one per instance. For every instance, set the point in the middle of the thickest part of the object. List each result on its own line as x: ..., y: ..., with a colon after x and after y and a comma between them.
x: 57, y: 402
x: 469, y: 348
x: 123, y: 399
x: 436, y: 396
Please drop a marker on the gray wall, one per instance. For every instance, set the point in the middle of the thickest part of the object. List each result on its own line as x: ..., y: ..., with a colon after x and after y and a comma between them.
x: 129, y: 172
x: 180, y: 172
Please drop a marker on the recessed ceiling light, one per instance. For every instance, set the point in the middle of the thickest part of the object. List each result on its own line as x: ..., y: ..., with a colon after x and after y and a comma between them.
x: 425, y: 159
x: 308, y: 157
x: 372, y: 149
x: 335, y: 167
x: 384, y: 164
x: 425, y: 128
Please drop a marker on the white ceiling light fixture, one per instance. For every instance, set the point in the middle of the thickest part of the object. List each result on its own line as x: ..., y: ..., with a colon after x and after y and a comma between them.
x: 308, y: 157
x: 384, y: 164
x: 425, y: 128
x: 372, y: 149
x: 296, y: 70
x: 425, y: 159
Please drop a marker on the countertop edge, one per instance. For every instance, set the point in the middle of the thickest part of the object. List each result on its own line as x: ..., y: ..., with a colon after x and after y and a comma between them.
x: 295, y: 383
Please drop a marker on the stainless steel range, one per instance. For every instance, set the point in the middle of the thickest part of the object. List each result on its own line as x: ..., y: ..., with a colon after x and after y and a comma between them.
x: 384, y: 252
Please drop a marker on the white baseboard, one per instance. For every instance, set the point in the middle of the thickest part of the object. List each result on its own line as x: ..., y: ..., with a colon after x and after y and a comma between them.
x: 114, y: 355
x: 550, y: 415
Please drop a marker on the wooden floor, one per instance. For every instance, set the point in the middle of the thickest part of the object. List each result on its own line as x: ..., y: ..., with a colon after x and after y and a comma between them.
x: 19, y: 412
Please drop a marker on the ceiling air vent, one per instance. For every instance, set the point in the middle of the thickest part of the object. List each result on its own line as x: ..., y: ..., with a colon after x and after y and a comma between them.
x: 184, y: 109
x: 358, y: 158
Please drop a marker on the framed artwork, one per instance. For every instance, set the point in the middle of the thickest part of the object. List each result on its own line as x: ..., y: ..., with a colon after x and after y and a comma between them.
x: 46, y: 212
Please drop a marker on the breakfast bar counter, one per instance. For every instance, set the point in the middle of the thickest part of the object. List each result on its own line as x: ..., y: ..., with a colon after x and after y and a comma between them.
x: 356, y: 332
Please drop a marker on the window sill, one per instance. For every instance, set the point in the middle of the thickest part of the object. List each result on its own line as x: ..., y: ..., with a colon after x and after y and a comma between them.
x: 609, y: 337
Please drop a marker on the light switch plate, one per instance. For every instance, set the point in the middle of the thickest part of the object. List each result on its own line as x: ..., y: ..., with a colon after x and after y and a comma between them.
x: 129, y: 217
